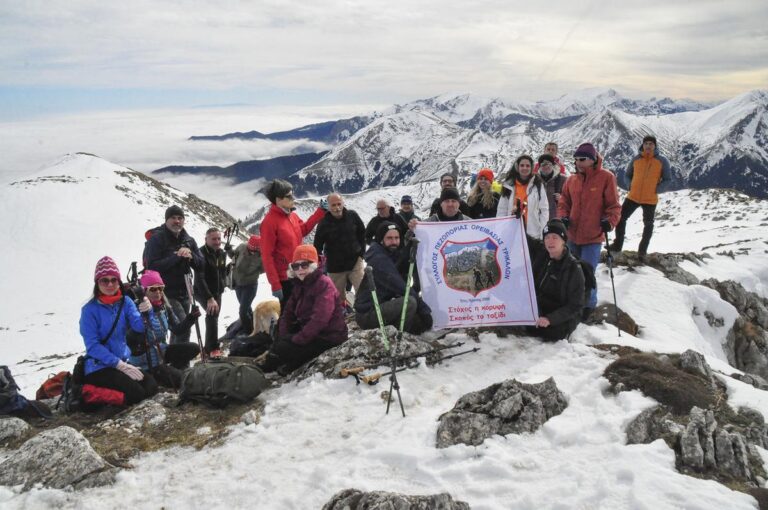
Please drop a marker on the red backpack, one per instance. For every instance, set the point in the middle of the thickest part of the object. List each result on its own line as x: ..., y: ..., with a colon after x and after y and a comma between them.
x: 52, y: 387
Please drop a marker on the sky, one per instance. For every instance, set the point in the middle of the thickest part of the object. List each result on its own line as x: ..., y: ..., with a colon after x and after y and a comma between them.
x: 84, y: 55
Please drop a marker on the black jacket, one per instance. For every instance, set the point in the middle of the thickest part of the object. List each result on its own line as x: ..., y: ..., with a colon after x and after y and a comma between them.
x: 373, y: 225
x: 479, y: 211
x: 161, y: 257
x: 560, y: 289
x: 211, y: 284
x: 343, y: 240
x: 390, y: 269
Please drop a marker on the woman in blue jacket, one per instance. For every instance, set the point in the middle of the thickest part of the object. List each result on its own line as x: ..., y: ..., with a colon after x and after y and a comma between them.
x: 104, y: 322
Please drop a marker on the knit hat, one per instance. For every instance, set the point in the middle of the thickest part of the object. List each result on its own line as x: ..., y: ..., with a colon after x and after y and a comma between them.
x: 254, y: 243
x: 384, y: 227
x: 406, y: 199
x: 586, y: 150
x: 546, y: 157
x: 650, y: 138
x: 556, y: 226
x: 449, y: 194
x: 106, y: 267
x: 174, y: 210
x: 305, y: 252
x: 487, y: 173
x: 150, y: 278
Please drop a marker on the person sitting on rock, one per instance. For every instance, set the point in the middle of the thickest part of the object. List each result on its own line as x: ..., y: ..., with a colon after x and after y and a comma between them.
x: 559, y: 280
x: 149, y: 349
x: 389, y: 262
x: 104, y: 320
x: 312, y: 320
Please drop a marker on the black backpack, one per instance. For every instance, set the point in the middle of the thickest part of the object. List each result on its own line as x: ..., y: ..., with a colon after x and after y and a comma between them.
x: 590, y: 282
x: 11, y: 400
x: 218, y: 383
x: 250, y: 346
x: 147, y: 236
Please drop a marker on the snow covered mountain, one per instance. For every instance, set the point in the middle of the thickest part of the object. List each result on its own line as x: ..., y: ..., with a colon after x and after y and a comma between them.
x: 58, y: 223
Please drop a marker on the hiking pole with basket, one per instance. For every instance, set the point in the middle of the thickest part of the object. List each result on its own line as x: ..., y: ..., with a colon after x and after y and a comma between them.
x: 190, y: 293
x: 384, y: 337
x: 609, y: 259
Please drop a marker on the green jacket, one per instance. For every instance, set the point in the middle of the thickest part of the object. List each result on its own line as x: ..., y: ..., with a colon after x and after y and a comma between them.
x: 247, y: 267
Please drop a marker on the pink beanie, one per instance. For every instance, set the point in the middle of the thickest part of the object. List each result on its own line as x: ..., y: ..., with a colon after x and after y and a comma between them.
x: 106, y: 267
x: 150, y: 278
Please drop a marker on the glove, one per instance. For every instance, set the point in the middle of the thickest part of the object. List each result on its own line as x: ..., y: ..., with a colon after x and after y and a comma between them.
x: 195, y: 312
x: 323, y: 204
x: 605, y: 225
x: 566, y: 221
x: 145, y: 306
x: 129, y: 370
x: 278, y: 294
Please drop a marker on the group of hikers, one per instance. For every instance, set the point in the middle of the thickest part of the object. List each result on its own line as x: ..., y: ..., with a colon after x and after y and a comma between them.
x: 139, y: 338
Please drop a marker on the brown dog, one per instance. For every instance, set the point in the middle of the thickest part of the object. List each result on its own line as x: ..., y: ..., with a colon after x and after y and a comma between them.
x: 264, y: 314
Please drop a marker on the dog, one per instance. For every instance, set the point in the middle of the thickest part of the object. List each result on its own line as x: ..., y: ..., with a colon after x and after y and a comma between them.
x: 265, y: 316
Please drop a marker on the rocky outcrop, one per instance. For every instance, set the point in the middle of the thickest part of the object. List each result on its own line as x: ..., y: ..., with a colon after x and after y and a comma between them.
x: 509, y: 407
x: 353, y: 499
x: 56, y: 458
x: 12, y: 429
x: 607, y: 313
x: 667, y: 263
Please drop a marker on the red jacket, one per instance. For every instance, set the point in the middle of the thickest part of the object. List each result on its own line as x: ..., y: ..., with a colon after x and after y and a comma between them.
x: 314, y: 312
x: 586, y: 199
x: 281, y: 233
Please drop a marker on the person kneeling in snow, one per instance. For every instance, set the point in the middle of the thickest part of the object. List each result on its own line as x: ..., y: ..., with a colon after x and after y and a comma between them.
x: 559, y: 280
x: 103, y: 322
x: 149, y: 350
x: 312, y: 320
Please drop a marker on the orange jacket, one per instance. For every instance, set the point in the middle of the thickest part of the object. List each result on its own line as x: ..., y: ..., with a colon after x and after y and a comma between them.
x: 586, y: 199
x: 644, y: 175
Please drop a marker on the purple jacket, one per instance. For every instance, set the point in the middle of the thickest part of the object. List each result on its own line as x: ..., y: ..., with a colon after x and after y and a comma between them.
x: 314, y: 312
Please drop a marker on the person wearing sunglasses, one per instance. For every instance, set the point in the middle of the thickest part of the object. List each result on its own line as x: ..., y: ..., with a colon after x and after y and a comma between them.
x: 312, y: 320
x: 149, y: 349
x: 281, y: 232
x: 521, y: 186
x: 589, y: 207
x: 104, y: 322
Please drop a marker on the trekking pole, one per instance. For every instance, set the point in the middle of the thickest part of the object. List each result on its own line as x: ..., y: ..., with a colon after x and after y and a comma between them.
x: 188, y: 282
x: 609, y: 258
x: 374, y: 378
x: 344, y: 372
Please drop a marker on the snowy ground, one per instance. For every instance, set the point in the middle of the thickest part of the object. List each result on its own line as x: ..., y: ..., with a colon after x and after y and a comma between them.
x: 319, y: 436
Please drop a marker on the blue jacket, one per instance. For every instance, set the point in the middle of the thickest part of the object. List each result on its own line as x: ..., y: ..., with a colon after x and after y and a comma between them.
x: 161, y: 320
x: 96, y: 319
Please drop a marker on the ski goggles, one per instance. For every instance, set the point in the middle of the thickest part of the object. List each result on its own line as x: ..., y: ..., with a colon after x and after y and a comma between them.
x: 303, y: 265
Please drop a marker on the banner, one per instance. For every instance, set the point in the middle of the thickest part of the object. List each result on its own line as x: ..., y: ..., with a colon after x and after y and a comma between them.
x: 476, y: 273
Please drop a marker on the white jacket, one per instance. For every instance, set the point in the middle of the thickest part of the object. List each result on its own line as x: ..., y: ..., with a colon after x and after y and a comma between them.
x: 538, y: 206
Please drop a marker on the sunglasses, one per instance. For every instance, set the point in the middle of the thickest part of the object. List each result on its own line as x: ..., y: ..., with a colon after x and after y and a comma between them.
x: 303, y: 265
x: 581, y: 159
x: 159, y: 288
x: 108, y: 281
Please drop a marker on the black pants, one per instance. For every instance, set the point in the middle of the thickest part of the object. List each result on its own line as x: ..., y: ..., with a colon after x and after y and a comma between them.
x: 627, y: 209
x: 112, y: 378
x: 554, y: 333
x: 180, y: 307
x: 179, y: 355
x: 211, y: 325
x: 287, y: 288
x: 391, y: 312
x: 293, y: 355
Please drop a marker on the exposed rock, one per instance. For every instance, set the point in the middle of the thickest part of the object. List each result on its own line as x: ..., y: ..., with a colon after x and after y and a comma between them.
x: 147, y: 413
x: 667, y: 263
x: 753, y: 380
x: 607, y: 313
x: 353, y: 499
x: 697, y: 446
x: 56, y: 458
x: 652, y: 424
x: 12, y: 428
x: 509, y: 407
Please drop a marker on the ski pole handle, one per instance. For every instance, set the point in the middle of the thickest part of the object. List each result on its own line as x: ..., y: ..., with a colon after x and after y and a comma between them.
x: 414, y: 248
x: 345, y: 372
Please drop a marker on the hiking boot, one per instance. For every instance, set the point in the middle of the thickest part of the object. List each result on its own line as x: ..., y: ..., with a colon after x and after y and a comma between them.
x: 641, y: 257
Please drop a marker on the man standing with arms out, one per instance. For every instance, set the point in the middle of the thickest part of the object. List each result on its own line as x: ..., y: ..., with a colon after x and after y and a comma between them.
x: 245, y: 277
x: 406, y: 209
x: 589, y: 207
x: 210, y: 287
x: 384, y: 212
x: 341, y: 235
x: 551, y: 149
x: 173, y: 253
x: 448, y: 181
x: 644, y: 174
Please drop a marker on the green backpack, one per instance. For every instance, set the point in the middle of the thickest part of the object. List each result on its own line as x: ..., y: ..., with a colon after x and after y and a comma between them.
x: 218, y: 383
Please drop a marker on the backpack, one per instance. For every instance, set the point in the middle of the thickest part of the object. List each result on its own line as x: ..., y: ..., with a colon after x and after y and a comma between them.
x: 71, y: 398
x: 10, y: 398
x: 250, y: 346
x: 147, y: 236
x: 590, y: 282
x: 52, y: 387
x: 218, y: 383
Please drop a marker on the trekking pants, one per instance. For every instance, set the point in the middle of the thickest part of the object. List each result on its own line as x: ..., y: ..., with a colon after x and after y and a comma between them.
x: 133, y: 391
x: 390, y: 313
x: 627, y: 209
x: 245, y: 296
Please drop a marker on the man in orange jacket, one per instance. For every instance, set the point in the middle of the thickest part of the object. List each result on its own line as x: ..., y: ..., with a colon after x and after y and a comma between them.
x: 589, y: 207
x: 644, y: 174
